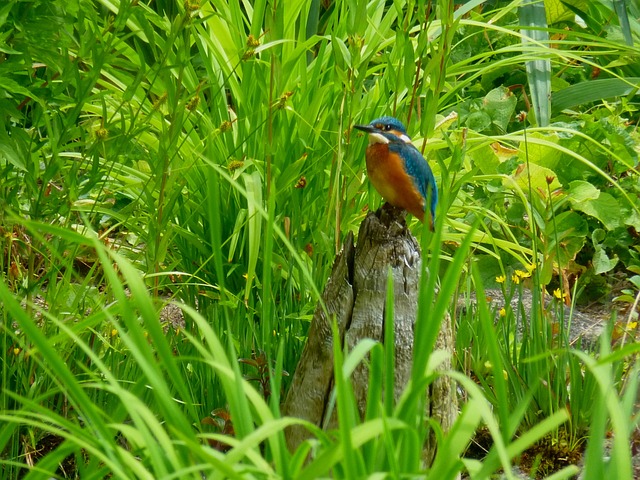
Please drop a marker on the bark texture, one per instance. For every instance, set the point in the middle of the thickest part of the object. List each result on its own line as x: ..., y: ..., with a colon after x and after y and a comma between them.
x: 355, y: 294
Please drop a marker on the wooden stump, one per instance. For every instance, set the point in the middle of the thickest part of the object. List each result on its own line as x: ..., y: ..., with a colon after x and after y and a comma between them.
x: 356, y: 295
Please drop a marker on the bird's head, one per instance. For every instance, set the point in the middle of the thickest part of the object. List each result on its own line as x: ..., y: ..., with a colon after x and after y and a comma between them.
x: 385, y: 130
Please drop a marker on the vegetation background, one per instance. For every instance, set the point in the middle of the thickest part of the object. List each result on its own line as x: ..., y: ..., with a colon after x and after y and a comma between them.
x: 200, y: 155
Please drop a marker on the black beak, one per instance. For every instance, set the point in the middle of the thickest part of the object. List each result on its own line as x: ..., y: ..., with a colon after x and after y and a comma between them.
x: 365, y: 128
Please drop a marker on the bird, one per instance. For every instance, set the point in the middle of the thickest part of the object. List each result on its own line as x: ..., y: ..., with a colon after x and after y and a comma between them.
x: 397, y: 170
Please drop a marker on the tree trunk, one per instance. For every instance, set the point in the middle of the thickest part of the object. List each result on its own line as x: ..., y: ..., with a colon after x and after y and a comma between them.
x: 356, y: 295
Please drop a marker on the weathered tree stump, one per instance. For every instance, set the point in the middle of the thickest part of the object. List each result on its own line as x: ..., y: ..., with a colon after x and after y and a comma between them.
x: 355, y: 294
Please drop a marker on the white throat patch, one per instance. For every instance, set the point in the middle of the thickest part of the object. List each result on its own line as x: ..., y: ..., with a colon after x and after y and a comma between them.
x: 377, y: 138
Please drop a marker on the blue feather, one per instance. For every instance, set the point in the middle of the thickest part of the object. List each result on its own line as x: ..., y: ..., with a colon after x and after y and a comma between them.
x: 415, y: 164
x: 420, y: 171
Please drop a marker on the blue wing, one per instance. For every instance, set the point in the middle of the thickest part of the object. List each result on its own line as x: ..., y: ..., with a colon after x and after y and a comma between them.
x: 418, y: 168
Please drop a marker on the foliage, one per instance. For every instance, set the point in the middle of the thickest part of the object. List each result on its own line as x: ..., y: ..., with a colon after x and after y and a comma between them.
x: 200, y: 154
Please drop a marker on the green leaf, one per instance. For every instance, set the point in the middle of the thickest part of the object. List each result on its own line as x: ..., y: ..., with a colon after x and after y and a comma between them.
x: 534, y: 20
x: 409, y: 64
x: 538, y: 176
x: 486, y: 160
x: 621, y: 10
x: 567, y: 236
x: 4, y: 11
x: 605, y: 208
x: 593, y: 91
x: 581, y: 191
x: 9, y: 154
x: 544, y: 154
x: 14, y: 88
x: 479, y: 121
x: 340, y: 53
x: 569, y: 224
x: 253, y: 183
x: 598, y: 235
x: 602, y: 263
x: 557, y: 11
x: 500, y: 104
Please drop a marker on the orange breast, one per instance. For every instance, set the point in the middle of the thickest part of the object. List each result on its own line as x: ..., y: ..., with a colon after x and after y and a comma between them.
x: 386, y: 173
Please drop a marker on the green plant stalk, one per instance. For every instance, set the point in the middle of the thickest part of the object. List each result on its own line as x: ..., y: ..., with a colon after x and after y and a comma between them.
x: 346, y: 415
x: 495, y: 357
x: 389, y: 348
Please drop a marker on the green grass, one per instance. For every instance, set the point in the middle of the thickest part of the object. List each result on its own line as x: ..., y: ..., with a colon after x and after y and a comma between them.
x: 201, y: 154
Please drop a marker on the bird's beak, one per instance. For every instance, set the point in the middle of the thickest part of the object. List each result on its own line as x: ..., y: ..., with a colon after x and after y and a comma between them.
x: 365, y: 128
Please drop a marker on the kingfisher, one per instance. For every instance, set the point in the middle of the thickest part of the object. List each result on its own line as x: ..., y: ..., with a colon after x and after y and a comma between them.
x: 397, y: 170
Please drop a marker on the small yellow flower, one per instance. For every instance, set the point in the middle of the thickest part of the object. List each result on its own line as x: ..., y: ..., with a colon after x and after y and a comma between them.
x: 557, y: 293
x: 234, y: 165
x: 114, y: 332
x: 283, y: 99
x: 250, y: 52
x: 16, y: 351
x: 503, y: 313
x: 530, y: 268
x: 523, y: 274
x: 515, y: 279
x: 193, y: 103
x: 102, y: 133
x: 488, y: 365
x: 253, y: 42
x: 633, y: 325
x: 160, y: 100
x: 302, y: 182
x: 501, y: 278
x: 191, y: 6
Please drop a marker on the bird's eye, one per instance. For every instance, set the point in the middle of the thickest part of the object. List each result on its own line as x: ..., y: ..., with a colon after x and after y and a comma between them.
x: 385, y: 127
